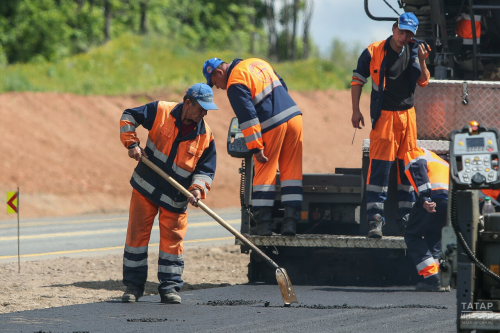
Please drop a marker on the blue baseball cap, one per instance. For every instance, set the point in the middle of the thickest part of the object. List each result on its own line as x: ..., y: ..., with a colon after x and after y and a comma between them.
x: 204, y: 95
x: 408, y: 21
x: 208, y: 68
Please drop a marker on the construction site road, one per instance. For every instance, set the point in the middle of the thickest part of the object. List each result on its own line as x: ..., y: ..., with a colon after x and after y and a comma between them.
x: 253, y: 308
x: 96, y: 235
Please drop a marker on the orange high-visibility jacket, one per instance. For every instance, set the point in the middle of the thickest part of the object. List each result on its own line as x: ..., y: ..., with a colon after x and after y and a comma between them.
x: 190, y: 160
x: 464, y: 28
x: 259, y: 98
x: 372, y: 62
x: 427, y: 172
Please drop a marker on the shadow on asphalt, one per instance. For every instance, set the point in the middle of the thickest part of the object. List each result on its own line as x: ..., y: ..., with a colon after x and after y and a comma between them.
x: 367, y: 290
x: 151, y: 287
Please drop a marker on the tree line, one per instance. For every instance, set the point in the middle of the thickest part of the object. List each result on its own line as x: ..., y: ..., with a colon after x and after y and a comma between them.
x: 47, y: 30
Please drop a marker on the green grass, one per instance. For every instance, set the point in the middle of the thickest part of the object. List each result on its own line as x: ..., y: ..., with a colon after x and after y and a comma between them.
x: 134, y: 64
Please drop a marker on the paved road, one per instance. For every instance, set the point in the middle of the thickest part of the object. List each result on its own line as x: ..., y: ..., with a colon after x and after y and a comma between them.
x: 97, y: 235
x: 343, y: 309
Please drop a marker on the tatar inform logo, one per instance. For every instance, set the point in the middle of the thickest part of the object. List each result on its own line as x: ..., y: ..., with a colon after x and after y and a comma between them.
x: 260, y: 71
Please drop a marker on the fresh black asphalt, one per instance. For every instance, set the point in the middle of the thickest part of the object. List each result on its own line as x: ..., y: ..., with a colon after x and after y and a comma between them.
x: 253, y: 308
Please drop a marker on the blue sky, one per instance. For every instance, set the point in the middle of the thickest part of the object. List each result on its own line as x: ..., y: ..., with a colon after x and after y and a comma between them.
x: 347, y: 20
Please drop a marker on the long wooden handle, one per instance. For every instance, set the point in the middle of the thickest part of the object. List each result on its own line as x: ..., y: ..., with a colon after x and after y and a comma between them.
x: 209, y: 211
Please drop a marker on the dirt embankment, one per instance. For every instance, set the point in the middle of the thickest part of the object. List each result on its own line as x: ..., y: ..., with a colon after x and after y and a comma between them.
x: 65, y: 154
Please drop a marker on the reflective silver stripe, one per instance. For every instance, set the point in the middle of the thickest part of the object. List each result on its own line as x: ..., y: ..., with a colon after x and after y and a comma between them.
x: 407, y: 166
x: 166, y: 199
x: 374, y: 86
x: 426, y: 186
x: 362, y: 78
x: 425, y: 263
x: 205, y: 178
x: 142, y: 183
x: 467, y: 41
x: 180, y: 171
x: 467, y: 17
x: 259, y: 97
x: 291, y: 197
x: 406, y: 188
x: 158, y: 154
x: 136, y: 250
x: 131, y: 263
x: 171, y: 257
x: 201, y: 183
x: 249, y: 123
x: 170, y: 269
x: 264, y: 188
x: 291, y: 182
x: 129, y: 117
x: 431, y: 158
x: 127, y: 128
x: 405, y: 204
x: 376, y: 188
x: 263, y: 202
x: 378, y: 205
x: 277, y: 118
x: 253, y: 137
x: 439, y: 185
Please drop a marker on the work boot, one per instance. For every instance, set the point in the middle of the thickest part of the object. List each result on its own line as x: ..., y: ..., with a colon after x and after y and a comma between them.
x: 132, y: 295
x: 263, y: 218
x: 376, y: 226
x: 289, y: 226
x: 170, y: 297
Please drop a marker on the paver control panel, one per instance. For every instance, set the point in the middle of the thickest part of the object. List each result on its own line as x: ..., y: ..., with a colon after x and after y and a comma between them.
x: 474, y: 157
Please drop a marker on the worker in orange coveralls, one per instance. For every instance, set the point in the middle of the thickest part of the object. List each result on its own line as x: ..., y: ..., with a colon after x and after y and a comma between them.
x: 182, y: 145
x: 271, y: 123
x: 396, y: 65
x: 429, y: 175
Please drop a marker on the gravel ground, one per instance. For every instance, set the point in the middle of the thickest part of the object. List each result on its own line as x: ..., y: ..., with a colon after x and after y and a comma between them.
x: 66, y: 281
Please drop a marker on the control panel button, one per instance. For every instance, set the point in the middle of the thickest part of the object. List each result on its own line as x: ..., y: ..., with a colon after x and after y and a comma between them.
x: 487, y: 169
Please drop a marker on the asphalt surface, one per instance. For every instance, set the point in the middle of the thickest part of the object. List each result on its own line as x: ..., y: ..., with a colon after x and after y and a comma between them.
x: 99, y: 235
x: 243, y: 308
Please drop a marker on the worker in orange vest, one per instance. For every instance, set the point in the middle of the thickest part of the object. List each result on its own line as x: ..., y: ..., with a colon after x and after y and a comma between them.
x: 430, y: 176
x: 396, y: 65
x: 271, y: 123
x: 181, y: 143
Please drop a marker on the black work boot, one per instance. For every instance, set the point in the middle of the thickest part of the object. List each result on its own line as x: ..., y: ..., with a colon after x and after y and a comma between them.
x: 263, y: 218
x: 375, y: 226
x: 132, y: 295
x: 292, y: 216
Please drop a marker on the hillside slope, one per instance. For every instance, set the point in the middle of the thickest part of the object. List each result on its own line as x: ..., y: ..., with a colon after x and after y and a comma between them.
x: 65, y: 154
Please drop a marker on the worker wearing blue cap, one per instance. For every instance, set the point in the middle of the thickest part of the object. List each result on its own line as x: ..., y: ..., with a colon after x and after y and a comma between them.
x: 271, y: 123
x: 396, y: 65
x: 182, y: 145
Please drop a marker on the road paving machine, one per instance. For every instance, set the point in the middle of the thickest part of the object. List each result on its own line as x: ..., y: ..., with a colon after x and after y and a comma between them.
x: 470, y: 242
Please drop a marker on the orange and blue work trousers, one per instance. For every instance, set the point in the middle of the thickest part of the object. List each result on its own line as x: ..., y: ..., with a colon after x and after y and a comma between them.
x: 283, y: 147
x: 423, y: 237
x: 395, y: 133
x: 173, y: 228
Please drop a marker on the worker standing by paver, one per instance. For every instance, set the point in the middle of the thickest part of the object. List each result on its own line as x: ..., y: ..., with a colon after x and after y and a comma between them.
x: 430, y: 176
x: 396, y: 65
x: 182, y: 145
x: 272, y: 125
